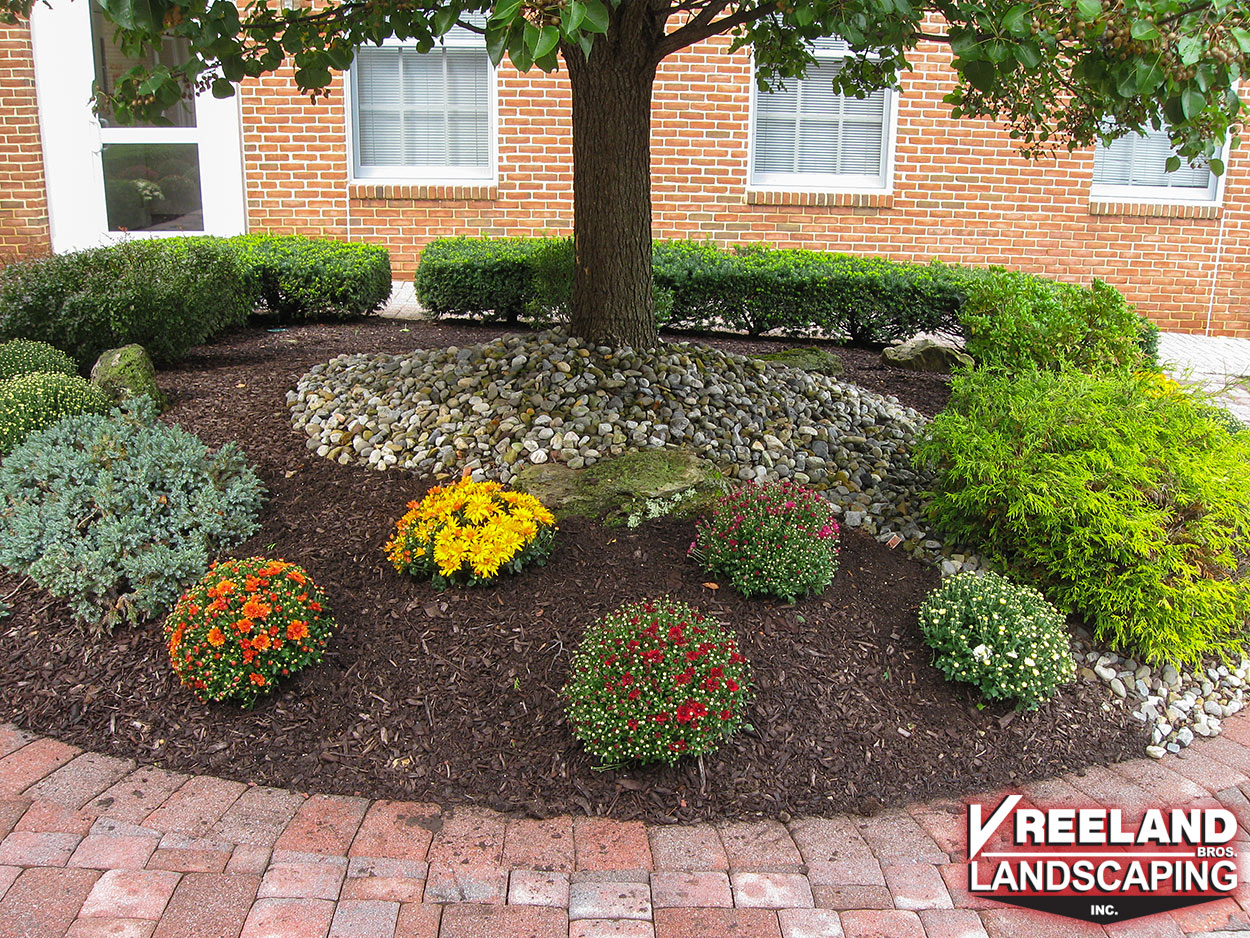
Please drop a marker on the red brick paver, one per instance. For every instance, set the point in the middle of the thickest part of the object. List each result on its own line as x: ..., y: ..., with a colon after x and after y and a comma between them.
x: 323, y: 824
x: 602, y: 844
x: 83, y: 778
x: 30, y: 764
x: 399, y: 829
x: 44, y: 902
x: 209, y: 905
x: 195, y: 807
x: 723, y: 923
x: 539, y: 845
x: 484, y: 921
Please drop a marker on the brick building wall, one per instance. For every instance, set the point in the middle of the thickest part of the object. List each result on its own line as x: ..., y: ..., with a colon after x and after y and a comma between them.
x: 23, y: 195
x: 961, y: 192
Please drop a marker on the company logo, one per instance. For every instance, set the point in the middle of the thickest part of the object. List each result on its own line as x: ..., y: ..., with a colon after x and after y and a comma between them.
x: 1095, y: 864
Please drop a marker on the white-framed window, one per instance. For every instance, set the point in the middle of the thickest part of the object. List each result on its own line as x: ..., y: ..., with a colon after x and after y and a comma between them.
x: 424, y: 116
x: 805, y: 135
x: 1134, y: 168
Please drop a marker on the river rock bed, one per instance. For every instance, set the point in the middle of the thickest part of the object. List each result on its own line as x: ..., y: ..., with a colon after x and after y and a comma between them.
x: 541, y: 397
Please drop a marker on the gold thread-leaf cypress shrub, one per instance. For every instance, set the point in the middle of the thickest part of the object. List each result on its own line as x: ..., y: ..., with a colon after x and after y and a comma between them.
x: 1118, y: 495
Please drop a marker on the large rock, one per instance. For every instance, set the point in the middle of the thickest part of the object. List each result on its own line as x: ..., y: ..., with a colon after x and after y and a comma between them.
x: 925, y: 354
x: 127, y: 372
x: 811, y: 359
x: 613, y: 487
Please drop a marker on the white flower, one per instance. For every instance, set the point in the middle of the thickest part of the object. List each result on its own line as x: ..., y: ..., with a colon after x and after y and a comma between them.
x: 981, y: 652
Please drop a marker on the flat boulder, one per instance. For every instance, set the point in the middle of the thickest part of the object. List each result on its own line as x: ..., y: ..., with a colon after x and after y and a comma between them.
x: 617, y: 485
x: 817, y: 360
x: 127, y: 372
x: 925, y: 354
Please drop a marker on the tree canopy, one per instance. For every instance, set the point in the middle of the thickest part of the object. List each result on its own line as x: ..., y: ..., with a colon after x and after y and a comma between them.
x: 1059, y: 73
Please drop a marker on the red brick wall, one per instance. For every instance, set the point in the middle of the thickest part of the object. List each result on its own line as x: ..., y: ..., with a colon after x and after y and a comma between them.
x: 23, y: 196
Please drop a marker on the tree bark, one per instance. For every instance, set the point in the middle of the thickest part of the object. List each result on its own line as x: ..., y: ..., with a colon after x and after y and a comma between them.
x: 612, y: 299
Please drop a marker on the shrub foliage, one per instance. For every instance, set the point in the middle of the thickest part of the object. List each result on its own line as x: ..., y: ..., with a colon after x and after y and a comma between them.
x: 118, y: 514
x: 1004, y: 638
x: 314, y: 278
x: 246, y: 625
x: 166, y: 294
x: 770, y: 539
x: 35, y: 401
x: 861, y: 299
x: 655, y: 681
x: 1118, y: 494
x: 27, y: 357
x: 1018, y: 321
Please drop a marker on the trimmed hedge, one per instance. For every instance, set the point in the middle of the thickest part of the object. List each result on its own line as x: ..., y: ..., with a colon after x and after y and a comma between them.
x: 170, y: 294
x: 864, y: 300
x: 166, y: 294
x: 314, y: 278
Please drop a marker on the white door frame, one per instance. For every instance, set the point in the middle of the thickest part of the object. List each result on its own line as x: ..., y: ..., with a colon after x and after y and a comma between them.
x: 73, y: 139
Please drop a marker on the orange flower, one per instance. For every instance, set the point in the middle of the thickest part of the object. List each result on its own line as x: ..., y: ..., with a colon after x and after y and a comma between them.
x: 226, y: 586
x: 258, y: 679
x: 244, y: 626
x: 192, y: 610
x: 315, y: 606
x: 216, y: 637
x: 254, y: 609
x: 298, y: 577
x: 217, y: 605
x: 261, y: 641
x: 251, y: 584
x: 296, y: 630
x: 273, y: 568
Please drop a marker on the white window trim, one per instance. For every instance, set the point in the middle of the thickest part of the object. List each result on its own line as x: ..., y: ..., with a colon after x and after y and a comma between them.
x: 428, y: 175
x: 1213, y: 194
x: 825, y: 182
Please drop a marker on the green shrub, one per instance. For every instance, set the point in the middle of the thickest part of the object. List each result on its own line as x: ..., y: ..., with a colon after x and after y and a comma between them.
x: 1018, y: 321
x: 1004, y: 638
x: 699, y: 286
x: 1117, y: 494
x: 655, y: 681
x: 770, y: 539
x: 246, y: 625
x: 479, y: 277
x: 166, y: 294
x: 34, y: 401
x: 27, y: 357
x: 118, y: 514
x: 314, y: 278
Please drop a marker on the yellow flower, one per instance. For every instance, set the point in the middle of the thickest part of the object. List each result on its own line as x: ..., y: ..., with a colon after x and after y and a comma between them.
x: 450, y: 549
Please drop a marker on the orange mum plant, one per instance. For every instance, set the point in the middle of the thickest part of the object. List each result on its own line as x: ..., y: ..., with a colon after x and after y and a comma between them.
x: 244, y: 626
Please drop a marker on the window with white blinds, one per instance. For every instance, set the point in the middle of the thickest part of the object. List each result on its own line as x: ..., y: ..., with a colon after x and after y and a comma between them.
x: 806, y: 135
x: 1135, y: 167
x: 424, y: 115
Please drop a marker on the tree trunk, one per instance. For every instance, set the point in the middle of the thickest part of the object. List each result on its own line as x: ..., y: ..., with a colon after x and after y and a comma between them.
x: 612, y: 299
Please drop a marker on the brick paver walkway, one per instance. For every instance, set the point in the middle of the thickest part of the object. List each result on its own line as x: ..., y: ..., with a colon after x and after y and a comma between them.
x: 94, y: 846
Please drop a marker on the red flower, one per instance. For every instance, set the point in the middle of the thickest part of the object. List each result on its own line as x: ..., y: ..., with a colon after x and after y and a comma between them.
x: 711, y: 683
x: 731, y: 684
x: 726, y: 714
x: 652, y: 655
x: 627, y: 679
x: 661, y: 718
x: 684, y: 677
x: 691, y: 711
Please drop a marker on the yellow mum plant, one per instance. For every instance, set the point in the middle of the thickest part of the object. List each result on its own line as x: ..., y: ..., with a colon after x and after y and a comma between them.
x: 471, y: 532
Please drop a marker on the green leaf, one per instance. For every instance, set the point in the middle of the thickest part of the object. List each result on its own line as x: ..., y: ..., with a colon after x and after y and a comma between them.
x: 1028, y: 54
x: 1126, y: 87
x: 312, y: 76
x: 1088, y: 10
x: 445, y: 19
x: 597, y: 17
x: 147, y: 15
x: 571, y: 16
x: 585, y: 41
x: 223, y: 88
x: 980, y: 74
x: 505, y: 11
x: 805, y: 14
x: 1172, y: 165
x: 1149, y: 75
x: 532, y: 35
x: 1217, y: 165
x: 1143, y: 29
x: 496, y: 42
x: 1192, y: 102
x: 1242, y: 35
x: 1190, y: 49
x: 547, y: 41
x: 1014, y: 20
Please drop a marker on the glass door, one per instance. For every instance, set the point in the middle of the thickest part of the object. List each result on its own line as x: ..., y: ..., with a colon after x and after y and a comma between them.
x: 108, y: 181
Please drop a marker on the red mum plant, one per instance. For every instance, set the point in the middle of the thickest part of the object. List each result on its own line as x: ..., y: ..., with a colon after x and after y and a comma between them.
x: 244, y: 626
x: 770, y: 539
x: 655, y: 681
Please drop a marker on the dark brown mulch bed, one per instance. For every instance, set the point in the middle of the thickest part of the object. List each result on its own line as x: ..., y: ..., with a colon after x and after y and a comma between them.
x: 453, y: 697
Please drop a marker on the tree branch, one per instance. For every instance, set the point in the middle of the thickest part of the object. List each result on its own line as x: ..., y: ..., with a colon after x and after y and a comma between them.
x: 703, y: 26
